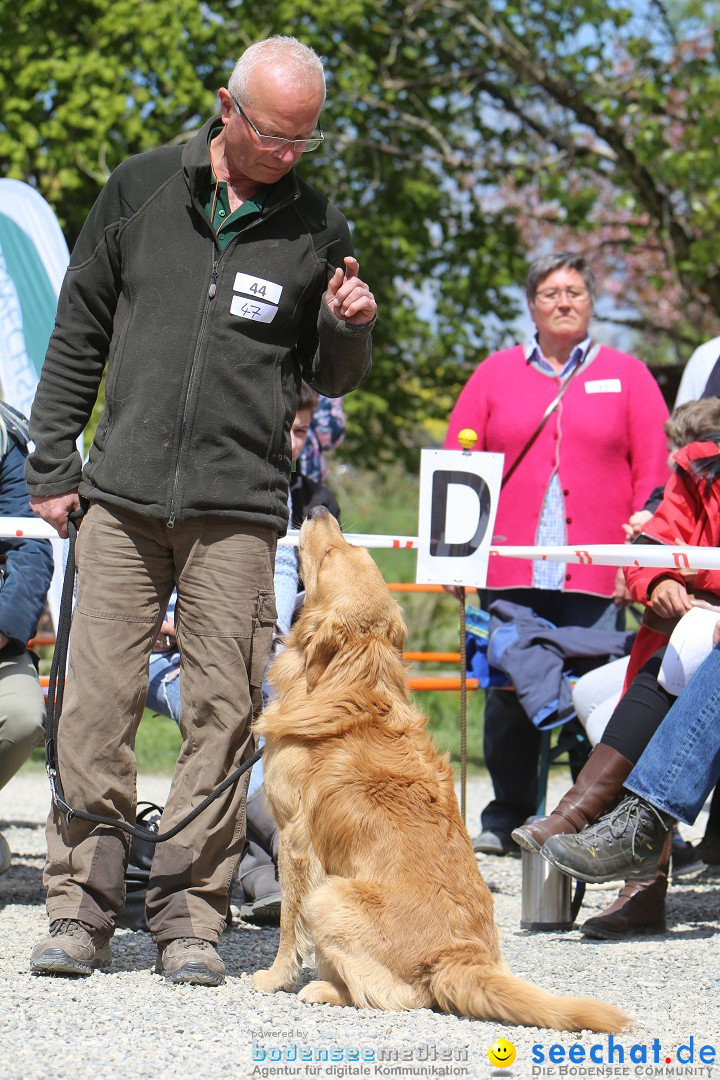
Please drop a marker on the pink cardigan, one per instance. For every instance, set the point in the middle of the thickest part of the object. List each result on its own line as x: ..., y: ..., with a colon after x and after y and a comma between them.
x: 606, y: 436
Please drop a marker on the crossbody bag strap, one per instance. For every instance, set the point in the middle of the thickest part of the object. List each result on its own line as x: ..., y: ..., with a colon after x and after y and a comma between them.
x: 590, y: 354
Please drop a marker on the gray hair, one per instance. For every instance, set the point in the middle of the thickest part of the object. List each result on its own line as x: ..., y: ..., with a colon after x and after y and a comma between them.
x: 278, y: 51
x: 562, y: 260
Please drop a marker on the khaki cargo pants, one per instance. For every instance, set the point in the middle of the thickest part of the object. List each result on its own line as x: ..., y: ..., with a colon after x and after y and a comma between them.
x: 127, y: 567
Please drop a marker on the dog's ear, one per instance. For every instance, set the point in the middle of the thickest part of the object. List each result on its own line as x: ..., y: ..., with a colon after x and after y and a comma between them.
x: 321, y: 648
x: 397, y: 631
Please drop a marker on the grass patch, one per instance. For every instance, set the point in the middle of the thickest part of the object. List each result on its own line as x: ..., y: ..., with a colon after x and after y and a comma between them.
x: 442, y: 708
x: 158, y: 739
x: 157, y: 744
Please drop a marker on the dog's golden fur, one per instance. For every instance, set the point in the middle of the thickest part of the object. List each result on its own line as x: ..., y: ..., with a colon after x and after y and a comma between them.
x: 376, y: 869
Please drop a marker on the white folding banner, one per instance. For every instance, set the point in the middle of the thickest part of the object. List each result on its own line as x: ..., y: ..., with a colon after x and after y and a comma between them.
x: 459, y: 494
x: 33, y: 260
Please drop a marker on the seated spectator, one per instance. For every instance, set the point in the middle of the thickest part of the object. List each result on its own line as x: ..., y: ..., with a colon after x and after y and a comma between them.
x: 670, y: 782
x: 689, y: 514
x: 326, y: 432
x: 573, y: 418
x: 596, y: 694
x: 701, y: 377
x: 25, y: 575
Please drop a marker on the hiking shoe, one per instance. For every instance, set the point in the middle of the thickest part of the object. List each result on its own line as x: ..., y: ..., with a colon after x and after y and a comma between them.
x: 709, y: 849
x: 491, y: 843
x: 627, y: 843
x: 71, y: 948
x: 190, y: 960
x: 263, y: 912
x: 685, y: 859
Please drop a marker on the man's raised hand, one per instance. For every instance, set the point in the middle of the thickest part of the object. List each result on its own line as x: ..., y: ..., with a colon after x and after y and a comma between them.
x: 348, y: 297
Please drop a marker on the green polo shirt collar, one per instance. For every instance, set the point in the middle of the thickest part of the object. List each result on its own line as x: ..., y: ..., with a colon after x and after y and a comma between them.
x: 215, y: 201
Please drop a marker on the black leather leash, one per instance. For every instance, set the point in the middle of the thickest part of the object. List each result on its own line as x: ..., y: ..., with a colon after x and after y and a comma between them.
x: 56, y: 690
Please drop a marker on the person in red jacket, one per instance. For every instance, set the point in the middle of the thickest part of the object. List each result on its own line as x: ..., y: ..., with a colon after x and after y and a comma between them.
x: 689, y: 513
x: 595, y: 461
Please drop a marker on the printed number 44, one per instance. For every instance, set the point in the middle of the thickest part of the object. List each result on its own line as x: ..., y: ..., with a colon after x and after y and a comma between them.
x: 257, y: 290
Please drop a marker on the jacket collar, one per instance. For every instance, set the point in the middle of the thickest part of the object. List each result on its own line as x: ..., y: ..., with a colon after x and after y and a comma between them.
x: 196, y: 170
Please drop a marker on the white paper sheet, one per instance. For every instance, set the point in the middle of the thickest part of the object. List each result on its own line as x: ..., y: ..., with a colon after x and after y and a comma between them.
x: 690, y: 643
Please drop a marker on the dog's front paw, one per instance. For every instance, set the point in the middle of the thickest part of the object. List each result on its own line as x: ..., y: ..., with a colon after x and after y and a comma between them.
x: 269, y: 981
x: 321, y: 992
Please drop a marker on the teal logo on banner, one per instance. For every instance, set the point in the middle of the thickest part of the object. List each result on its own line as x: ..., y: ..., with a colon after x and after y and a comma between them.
x: 33, y: 258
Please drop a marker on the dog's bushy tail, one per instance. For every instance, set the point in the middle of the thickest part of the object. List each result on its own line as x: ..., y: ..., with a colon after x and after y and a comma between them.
x: 490, y: 992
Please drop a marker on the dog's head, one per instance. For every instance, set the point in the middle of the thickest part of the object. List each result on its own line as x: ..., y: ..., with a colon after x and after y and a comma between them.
x: 348, y: 607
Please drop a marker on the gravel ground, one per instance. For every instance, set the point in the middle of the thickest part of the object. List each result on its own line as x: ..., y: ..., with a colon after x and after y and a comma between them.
x: 130, y: 1023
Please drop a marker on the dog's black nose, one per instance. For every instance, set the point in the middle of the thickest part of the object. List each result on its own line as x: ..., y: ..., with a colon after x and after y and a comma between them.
x: 319, y: 511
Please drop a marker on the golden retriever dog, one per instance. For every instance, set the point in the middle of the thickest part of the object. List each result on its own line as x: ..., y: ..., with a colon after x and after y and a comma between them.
x: 377, y: 871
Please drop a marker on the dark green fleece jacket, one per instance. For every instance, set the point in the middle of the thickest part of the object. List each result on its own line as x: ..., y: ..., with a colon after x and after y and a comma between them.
x: 204, y: 349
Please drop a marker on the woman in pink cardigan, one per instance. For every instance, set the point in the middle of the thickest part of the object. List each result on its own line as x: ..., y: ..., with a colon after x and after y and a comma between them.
x: 595, y: 462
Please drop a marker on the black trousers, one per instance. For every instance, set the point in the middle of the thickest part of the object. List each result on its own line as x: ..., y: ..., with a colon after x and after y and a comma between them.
x: 639, y: 712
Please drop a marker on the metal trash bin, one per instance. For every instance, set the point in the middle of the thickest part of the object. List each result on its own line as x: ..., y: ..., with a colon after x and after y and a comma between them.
x: 546, y: 903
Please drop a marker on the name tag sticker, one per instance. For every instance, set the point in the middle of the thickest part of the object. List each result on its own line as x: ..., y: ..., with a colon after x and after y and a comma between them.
x: 603, y: 386
x: 258, y: 288
x: 254, y: 310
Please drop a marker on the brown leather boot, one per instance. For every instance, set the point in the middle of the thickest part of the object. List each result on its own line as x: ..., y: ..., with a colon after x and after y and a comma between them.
x: 639, y: 907
x: 595, y: 791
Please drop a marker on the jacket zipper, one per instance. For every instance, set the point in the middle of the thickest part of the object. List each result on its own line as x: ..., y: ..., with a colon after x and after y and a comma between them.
x: 191, y: 386
x: 212, y: 290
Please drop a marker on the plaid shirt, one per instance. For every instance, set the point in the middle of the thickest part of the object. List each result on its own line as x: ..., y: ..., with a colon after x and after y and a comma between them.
x: 551, y: 527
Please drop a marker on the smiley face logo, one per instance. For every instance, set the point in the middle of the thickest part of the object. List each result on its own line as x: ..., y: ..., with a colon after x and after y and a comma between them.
x: 501, y: 1054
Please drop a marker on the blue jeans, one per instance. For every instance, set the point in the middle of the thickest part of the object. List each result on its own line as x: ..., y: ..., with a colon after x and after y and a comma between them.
x: 681, y: 764
x: 164, y: 684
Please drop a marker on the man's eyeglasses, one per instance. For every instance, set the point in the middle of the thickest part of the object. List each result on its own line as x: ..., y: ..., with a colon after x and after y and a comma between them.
x: 276, y: 142
x: 550, y: 297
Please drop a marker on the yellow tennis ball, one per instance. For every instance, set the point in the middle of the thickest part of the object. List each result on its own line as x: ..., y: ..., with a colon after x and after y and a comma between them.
x: 467, y: 438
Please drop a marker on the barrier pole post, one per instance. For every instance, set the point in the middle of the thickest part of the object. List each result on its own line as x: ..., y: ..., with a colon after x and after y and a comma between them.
x: 463, y: 707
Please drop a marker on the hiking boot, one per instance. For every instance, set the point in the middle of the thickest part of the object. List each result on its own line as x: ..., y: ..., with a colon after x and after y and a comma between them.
x: 627, y: 843
x: 596, y: 790
x: 71, y: 948
x: 190, y: 960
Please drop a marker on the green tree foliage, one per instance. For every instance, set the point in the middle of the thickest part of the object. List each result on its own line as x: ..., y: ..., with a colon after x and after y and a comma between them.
x: 612, y: 143
x: 462, y: 134
x: 87, y: 84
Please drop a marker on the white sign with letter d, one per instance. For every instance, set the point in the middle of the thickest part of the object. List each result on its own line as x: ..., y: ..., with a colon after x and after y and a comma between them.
x: 459, y: 494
